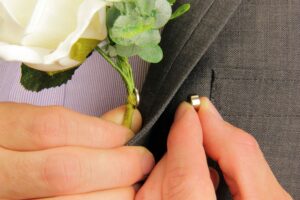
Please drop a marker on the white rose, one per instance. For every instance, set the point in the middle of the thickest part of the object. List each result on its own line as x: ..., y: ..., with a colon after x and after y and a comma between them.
x: 50, y: 35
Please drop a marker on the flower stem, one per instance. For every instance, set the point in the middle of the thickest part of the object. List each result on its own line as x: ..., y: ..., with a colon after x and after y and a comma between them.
x: 128, y: 116
x: 122, y: 65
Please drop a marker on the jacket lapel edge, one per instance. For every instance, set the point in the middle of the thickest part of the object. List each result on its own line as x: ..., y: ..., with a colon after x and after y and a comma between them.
x: 203, y: 36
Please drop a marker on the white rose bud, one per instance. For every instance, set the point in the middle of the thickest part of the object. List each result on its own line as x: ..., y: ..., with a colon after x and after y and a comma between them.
x: 51, y: 35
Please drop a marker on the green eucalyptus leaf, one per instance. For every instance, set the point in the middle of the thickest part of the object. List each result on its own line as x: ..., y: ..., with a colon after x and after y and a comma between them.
x: 133, y: 27
x: 127, y: 51
x: 127, y: 27
x: 172, y: 2
x: 149, y: 37
x: 112, y: 15
x: 82, y: 48
x: 163, y: 13
x: 181, y: 10
x: 35, y: 80
x: 151, y: 53
x: 131, y: 8
x: 120, y: 6
x: 146, y: 7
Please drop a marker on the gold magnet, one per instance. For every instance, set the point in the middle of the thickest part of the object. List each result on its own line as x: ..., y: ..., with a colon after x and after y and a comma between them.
x: 195, y: 101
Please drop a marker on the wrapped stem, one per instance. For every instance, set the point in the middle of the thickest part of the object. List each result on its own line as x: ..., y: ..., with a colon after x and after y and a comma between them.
x: 128, y: 116
x: 122, y: 65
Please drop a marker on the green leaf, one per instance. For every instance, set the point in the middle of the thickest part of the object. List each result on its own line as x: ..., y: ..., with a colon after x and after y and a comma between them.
x: 35, y: 80
x: 127, y: 27
x: 151, y: 53
x: 181, y: 10
x: 112, y: 15
x: 145, y: 7
x: 82, y: 48
x: 120, y: 6
x: 172, y: 2
x: 131, y: 8
x: 127, y: 51
x: 163, y: 13
x: 112, y: 52
x: 147, y: 38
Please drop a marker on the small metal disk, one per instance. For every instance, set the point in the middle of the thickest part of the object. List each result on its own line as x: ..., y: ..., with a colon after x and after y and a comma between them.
x: 137, y: 96
x: 195, y: 101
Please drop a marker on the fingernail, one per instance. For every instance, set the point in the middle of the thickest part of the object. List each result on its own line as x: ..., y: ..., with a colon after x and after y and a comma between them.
x: 183, y: 108
x: 148, y: 161
x: 207, y: 104
x: 136, y: 121
x: 117, y: 115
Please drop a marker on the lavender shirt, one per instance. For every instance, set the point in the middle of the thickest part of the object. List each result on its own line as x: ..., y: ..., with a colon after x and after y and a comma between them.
x: 94, y: 89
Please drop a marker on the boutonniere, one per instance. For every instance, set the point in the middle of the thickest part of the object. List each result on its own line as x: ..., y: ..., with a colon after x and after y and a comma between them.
x: 52, y: 38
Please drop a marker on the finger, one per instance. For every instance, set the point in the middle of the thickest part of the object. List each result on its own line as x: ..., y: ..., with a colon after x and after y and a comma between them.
x: 27, y: 128
x: 239, y: 156
x: 115, y: 194
x: 71, y: 170
x: 117, y: 116
x: 152, y: 189
x: 187, y: 175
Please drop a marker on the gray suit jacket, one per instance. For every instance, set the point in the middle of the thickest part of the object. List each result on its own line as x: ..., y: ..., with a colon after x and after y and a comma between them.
x: 245, y: 56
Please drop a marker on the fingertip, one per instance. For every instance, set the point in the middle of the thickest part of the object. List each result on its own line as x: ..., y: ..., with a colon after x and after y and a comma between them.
x: 117, y: 115
x: 136, y: 121
x: 186, y: 126
x: 185, y: 138
x: 182, y: 109
x: 208, y: 109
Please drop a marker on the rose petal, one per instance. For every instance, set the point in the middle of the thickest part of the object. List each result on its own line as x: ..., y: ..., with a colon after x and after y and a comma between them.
x: 20, y: 10
x: 88, y: 10
x: 11, y: 31
x: 89, y: 21
x: 10, y: 52
x: 52, y: 21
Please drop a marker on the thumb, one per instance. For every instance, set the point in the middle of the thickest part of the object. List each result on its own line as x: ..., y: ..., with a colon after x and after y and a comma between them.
x: 116, y: 116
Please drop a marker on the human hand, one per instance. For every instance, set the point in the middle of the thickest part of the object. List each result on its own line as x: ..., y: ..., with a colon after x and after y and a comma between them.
x: 52, y: 151
x: 183, y: 173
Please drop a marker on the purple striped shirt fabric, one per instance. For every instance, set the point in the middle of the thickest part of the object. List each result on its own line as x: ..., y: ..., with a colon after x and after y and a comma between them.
x: 95, y: 88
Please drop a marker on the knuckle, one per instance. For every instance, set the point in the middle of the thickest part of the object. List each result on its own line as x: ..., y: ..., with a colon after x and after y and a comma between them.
x: 240, y: 137
x: 248, y: 140
x: 62, y: 173
x: 49, y: 127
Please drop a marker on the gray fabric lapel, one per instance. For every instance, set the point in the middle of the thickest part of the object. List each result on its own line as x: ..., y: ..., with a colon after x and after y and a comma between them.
x: 175, y: 36
x: 207, y: 19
